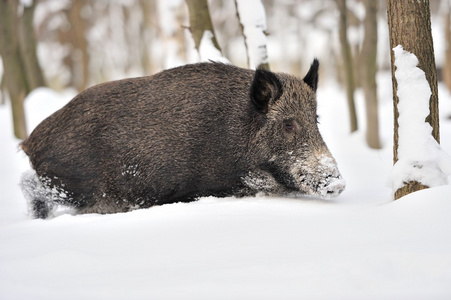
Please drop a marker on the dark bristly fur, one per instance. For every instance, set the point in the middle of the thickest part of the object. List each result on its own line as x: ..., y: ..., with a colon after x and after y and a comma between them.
x: 206, y: 129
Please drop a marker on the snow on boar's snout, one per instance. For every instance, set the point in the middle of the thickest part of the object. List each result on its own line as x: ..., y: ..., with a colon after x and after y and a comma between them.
x: 323, y: 179
x: 206, y: 129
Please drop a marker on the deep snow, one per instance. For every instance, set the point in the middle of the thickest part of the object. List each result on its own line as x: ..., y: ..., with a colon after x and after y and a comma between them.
x: 360, y: 245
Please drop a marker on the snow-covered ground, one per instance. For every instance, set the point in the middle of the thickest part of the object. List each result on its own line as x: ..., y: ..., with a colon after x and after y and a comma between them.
x: 361, y: 245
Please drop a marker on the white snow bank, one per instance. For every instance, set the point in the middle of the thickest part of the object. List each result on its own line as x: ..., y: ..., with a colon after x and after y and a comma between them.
x: 253, y: 19
x: 252, y: 248
x: 421, y: 158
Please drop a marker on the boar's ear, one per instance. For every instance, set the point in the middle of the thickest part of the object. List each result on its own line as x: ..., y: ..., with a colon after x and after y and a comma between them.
x: 266, y: 88
x: 312, y: 75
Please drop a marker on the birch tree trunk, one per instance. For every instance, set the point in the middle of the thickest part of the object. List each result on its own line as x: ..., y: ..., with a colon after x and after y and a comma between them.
x: 252, y: 18
x: 409, y: 25
x: 347, y: 63
x: 368, y: 58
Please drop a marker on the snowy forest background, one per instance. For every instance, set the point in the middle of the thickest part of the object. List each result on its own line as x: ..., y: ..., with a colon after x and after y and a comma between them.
x: 83, y: 43
x: 361, y: 245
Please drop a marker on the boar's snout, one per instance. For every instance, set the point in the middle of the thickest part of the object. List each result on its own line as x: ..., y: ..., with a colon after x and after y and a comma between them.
x: 334, y: 183
x: 323, y: 180
x: 334, y: 187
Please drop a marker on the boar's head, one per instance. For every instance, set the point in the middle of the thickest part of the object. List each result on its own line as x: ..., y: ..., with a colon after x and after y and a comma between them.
x: 292, y: 156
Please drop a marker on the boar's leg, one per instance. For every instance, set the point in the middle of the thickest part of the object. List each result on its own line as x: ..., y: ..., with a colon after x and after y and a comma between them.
x: 44, y: 194
x: 36, y: 195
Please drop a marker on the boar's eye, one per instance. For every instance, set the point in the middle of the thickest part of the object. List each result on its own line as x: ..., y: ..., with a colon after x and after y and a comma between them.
x: 289, y: 126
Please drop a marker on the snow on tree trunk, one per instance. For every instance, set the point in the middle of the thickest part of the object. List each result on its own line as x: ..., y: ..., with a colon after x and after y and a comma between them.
x: 202, y: 32
x: 208, y: 50
x: 251, y: 14
x: 420, y: 157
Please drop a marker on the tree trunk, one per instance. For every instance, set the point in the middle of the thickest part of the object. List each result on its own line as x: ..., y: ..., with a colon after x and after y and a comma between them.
x: 2, y: 88
x: 14, y: 72
x: 253, y: 30
x: 148, y: 8
x: 410, y: 187
x: 78, y: 60
x: 409, y: 24
x: 27, y: 42
x: 447, y: 67
x: 368, y: 58
x: 200, y: 21
x: 242, y: 32
x: 347, y: 63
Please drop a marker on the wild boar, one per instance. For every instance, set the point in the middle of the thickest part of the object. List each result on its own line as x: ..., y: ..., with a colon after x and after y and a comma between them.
x: 206, y: 129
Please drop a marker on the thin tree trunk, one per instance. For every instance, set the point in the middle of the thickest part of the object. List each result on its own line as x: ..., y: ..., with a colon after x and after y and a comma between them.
x: 347, y: 63
x: 2, y: 90
x: 200, y: 21
x: 147, y: 7
x: 15, y: 77
x: 242, y: 33
x: 79, y: 56
x: 253, y: 30
x: 409, y: 25
x: 368, y: 58
x: 27, y: 42
x: 447, y: 67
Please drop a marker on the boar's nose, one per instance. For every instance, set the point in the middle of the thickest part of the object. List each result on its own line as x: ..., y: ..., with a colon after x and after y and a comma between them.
x: 334, y: 187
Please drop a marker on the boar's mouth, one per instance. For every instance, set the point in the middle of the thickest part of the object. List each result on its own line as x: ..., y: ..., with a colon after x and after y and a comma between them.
x: 281, y: 177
